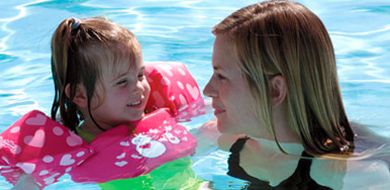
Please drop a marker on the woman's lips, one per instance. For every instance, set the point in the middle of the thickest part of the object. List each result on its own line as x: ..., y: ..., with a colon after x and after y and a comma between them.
x: 218, y: 111
x: 217, y: 108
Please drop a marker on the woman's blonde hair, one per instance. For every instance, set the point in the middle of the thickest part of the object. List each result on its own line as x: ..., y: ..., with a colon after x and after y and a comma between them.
x: 80, y: 49
x: 285, y: 38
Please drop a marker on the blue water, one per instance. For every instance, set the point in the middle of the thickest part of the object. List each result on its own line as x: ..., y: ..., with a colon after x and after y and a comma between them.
x: 179, y: 30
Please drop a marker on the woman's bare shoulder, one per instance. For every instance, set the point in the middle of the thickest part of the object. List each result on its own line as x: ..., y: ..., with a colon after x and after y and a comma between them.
x: 349, y: 174
x: 366, y: 138
x: 367, y: 131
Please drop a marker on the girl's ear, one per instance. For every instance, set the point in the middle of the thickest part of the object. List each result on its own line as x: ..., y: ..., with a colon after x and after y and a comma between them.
x: 278, y: 89
x: 80, y: 98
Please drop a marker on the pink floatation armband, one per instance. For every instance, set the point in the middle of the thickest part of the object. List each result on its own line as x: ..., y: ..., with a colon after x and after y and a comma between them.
x: 173, y: 87
x: 41, y: 147
x: 122, y: 153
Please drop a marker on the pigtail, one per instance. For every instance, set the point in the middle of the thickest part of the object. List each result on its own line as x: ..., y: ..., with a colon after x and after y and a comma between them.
x: 63, y: 55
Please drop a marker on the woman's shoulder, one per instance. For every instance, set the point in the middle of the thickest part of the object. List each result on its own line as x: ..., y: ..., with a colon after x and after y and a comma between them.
x: 375, y: 145
x: 350, y: 174
x: 365, y: 132
x: 368, y: 167
x: 263, y: 159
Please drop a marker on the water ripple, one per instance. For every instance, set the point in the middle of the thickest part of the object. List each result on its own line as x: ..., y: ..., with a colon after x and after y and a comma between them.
x: 385, y: 29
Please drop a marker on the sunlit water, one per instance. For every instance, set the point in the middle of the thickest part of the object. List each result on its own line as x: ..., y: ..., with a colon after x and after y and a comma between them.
x: 179, y: 30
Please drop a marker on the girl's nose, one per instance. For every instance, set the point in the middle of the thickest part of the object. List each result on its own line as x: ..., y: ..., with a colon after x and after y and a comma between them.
x: 138, y: 88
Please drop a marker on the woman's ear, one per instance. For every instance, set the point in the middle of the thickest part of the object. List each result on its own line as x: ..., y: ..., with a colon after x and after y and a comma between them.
x: 80, y: 97
x: 278, y: 89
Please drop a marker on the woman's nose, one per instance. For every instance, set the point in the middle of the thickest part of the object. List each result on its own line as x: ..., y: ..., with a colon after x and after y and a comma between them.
x: 210, y: 90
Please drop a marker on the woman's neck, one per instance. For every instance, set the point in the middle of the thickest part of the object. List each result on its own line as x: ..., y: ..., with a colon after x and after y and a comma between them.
x: 283, y: 132
x: 284, y: 135
x: 291, y: 148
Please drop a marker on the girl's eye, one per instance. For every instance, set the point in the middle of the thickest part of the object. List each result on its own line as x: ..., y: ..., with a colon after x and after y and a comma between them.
x: 141, y: 76
x: 122, y: 82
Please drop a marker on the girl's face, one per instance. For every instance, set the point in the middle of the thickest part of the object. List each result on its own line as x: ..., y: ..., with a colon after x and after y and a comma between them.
x: 125, y: 94
x: 231, y: 97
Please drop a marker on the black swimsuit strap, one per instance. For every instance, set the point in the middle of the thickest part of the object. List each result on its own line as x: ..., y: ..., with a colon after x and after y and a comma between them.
x: 235, y: 170
x: 300, y: 179
x: 238, y: 145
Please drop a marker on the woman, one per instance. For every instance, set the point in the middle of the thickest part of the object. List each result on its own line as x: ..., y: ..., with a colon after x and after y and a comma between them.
x: 275, y: 80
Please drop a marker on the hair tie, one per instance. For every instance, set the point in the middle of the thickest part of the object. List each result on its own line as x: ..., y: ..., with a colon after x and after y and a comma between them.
x: 75, y: 25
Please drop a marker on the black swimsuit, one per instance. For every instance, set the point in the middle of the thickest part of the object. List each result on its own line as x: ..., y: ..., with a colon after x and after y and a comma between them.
x: 300, y: 180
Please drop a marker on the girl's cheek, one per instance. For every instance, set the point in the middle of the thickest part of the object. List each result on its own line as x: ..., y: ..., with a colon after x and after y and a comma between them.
x: 147, y: 87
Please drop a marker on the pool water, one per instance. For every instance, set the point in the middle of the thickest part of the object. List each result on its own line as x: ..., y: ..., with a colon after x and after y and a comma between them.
x: 179, y: 30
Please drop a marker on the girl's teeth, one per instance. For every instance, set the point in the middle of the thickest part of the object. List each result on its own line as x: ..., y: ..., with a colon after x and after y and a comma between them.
x: 135, y: 103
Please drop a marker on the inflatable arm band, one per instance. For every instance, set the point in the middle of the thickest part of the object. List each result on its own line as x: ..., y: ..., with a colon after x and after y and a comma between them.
x: 40, y: 147
x: 173, y: 87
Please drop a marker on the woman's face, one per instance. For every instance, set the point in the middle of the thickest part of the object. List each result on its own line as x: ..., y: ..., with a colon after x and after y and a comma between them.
x: 231, y: 98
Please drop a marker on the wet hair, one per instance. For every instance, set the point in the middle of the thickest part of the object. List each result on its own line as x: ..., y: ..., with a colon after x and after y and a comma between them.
x: 285, y: 38
x: 80, y: 49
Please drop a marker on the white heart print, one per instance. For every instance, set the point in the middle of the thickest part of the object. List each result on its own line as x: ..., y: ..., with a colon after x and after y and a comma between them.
x: 121, y: 163
x: 28, y: 168
x: 15, y: 129
x: 58, y: 131
x: 167, y: 69
x: 181, y: 86
x: 67, y: 160
x: 193, y: 91
x: 121, y: 156
x: 181, y: 71
x: 124, y: 143
x: 74, y: 140
x: 39, y: 119
x: 165, y: 81
x: 38, y: 140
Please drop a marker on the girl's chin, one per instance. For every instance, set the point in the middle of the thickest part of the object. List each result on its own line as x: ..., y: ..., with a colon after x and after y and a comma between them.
x: 137, y: 117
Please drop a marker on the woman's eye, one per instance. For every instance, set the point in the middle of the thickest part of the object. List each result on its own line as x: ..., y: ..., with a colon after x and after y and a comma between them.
x: 220, y: 77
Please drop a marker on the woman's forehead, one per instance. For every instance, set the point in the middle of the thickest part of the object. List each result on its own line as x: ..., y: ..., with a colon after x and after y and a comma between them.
x: 224, y: 56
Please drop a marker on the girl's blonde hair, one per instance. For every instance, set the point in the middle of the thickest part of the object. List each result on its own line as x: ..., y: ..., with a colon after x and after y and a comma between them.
x: 80, y: 48
x: 285, y: 38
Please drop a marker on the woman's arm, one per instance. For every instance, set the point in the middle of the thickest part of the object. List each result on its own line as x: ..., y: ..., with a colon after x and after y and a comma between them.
x: 26, y: 182
x: 207, y: 136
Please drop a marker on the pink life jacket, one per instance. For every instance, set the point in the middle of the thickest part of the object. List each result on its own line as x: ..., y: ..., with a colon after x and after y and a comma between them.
x: 157, y: 139
x: 45, y: 149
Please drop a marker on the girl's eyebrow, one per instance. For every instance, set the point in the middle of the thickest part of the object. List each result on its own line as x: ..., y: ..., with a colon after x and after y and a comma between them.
x: 125, y: 73
x: 119, y: 76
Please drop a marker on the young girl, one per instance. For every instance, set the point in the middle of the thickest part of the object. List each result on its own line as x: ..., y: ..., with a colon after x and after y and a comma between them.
x: 275, y: 81
x: 100, y: 83
x: 98, y: 75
